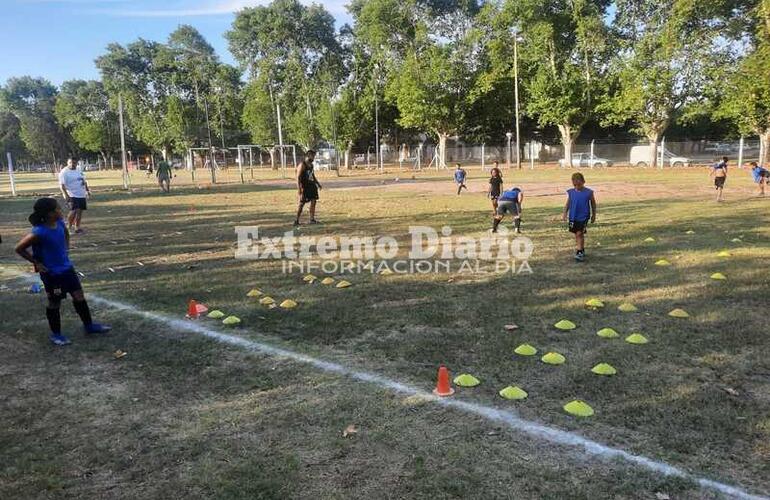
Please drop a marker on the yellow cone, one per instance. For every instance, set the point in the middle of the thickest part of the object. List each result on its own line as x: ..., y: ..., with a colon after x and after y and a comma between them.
x: 636, y: 338
x: 607, y: 333
x: 578, y: 408
x: 343, y: 284
x: 565, y: 324
x: 718, y: 276
x: 288, y: 304
x: 662, y: 262
x: 231, y: 320
x: 736, y: 240
x: 650, y: 239
x: 216, y: 314
x: 679, y: 313
x: 604, y: 369
x: 386, y: 272
x: 466, y: 380
x: 309, y: 278
x: 513, y: 392
x: 327, y: 281
x: 266, y: 301
x: 525, y: 350
x: 627, y: 307
x: 594, y: 303
x: 723, y: 253
x: 553, y: 358
x: 689, y: 231
x: 254, y: 293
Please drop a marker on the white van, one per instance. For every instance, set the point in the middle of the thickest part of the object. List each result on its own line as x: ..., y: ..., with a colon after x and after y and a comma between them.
x: 640, y: 156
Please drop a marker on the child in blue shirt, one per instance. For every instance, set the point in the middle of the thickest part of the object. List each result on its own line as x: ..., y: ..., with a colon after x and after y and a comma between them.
x: 509, y: 202
x: 460, y: 178
x: 761, y: 176
x: 579, y: 209
x: 49, y: 241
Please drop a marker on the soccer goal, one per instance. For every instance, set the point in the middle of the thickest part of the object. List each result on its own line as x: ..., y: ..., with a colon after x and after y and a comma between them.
x: 266, y: 156
x: 202, y: 157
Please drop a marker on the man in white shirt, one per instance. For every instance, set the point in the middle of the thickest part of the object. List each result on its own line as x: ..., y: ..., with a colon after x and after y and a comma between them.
x: 75, y: 190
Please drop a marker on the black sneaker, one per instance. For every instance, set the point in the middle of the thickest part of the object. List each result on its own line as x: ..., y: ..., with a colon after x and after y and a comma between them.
x: 313, y: 221
x: 580, y: 256
x: 296, y: 223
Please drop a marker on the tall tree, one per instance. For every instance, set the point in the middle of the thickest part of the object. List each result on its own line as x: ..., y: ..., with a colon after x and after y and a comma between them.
x: 667, y: 52
x: 746, y: 98
x: 32, y: 101
x: 141, y: 72
x: 10, y: 137
x: 284, y: 47
x: 83, y: 108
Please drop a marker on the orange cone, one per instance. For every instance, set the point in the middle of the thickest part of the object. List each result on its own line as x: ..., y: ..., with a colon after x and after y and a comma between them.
x: 442, y: 386
x: 192, y: 310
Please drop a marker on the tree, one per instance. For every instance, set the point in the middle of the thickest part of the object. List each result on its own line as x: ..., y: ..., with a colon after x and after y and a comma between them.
x: 32, y: 101
x: 667, y: 54
x: 141, y: 72
x: 562, y: 59
x: 10, y: 137
x: 285, y: 47
x: 83, y: 109
x: 746, y: 98
x: 433, y: 91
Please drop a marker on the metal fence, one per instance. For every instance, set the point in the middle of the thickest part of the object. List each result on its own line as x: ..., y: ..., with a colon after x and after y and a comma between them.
x: 593, y: 154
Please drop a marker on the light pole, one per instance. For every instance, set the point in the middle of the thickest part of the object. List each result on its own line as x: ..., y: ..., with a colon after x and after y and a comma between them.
x: 508, y: 150
x: 515, y: 33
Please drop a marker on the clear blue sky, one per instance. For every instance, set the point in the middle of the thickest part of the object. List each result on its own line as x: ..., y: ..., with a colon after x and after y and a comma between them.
x: 59, y: 39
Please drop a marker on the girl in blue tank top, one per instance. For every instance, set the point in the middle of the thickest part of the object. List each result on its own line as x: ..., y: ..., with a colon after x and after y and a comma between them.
x: 579, y: 209
x: 49, y: 242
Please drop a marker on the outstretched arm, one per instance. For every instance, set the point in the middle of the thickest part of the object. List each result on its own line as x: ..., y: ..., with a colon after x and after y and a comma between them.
x: 593, y: 209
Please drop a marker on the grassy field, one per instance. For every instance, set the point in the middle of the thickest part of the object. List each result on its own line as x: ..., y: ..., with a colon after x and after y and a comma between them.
x: 181, y: 413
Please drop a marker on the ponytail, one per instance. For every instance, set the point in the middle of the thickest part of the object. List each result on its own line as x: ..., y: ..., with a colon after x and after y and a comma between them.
x: 41, y: 209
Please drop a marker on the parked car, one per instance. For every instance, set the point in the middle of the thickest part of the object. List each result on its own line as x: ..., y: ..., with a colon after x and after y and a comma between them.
x: 720, y: 148
x: 640, y: 156
x: 586, y: 160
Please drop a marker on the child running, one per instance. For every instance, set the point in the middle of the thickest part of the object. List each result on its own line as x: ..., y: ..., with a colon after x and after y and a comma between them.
x: 460, y: 178
x: 49, y: 240
x: 509, y: 202
x: 761, y: 176
x: 719, y: 173
x: 495, y: 185
x: 579, y: 209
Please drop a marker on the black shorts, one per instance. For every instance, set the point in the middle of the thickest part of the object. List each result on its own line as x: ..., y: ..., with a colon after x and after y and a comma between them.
x: 577, y: 226
x: 508, y: 207
x: 78, y: 204
x: 57, y: 286
x: 719, y: 182
x: 309, y: 192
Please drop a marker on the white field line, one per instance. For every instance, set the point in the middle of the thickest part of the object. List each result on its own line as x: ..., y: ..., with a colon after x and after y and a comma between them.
x: 508, y: 418
x: 538, y: 431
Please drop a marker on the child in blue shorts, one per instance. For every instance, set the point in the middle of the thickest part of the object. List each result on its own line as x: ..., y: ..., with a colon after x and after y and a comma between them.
x: 49, y: 241
x: 579, y: 209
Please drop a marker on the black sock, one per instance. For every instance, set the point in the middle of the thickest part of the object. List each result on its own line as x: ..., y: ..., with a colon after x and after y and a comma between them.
x: 517, y: 223
x: 54, y: 319
x: 83, y: 311
x: 495, y: 223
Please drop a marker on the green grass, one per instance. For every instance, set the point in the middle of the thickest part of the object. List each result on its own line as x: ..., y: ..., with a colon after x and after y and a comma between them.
x: 181, y: 413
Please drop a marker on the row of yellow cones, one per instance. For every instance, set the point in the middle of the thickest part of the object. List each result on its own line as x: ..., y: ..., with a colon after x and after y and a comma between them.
x: 444, y: 388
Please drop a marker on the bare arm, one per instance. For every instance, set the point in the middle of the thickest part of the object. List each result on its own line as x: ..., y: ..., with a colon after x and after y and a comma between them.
x: 64, y: 194
x: 593, y: 209
x: 566, y: 210
x: 300, y: 173
x: 521, y: 200
x: 22, y: 248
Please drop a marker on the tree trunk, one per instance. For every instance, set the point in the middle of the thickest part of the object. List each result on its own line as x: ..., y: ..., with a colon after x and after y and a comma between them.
x: 164, y: 152
x: 568, y: 136
x: 272, y: 159
x: 653, y: 138
x: 764, y: 147
x: 442, y: 137
x: 347, y: 156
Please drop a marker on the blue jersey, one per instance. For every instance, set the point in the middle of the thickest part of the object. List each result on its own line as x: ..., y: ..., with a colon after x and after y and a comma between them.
x: 579, y: 204
x: 510, y: 195
x: 51, y: 248
x: 719, y: 166
x: 459, y: 175
x: 759, y: 172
